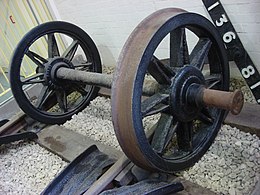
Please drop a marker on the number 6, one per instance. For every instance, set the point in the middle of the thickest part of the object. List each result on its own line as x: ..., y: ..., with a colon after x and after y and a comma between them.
x: 229, y: 36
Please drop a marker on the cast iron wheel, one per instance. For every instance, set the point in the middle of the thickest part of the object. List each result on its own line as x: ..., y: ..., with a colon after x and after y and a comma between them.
x: 184, y: 129
x: 40, y: 53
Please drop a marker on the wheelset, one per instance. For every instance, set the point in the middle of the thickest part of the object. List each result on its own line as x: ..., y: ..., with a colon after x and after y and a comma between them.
x: 161, y: 75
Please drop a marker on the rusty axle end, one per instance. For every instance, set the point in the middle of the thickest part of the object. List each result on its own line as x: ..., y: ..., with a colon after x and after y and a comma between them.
x: 232, y: 101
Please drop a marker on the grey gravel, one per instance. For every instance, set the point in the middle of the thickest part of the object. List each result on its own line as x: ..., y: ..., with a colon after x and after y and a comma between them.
x: 230, y: 166
x: 27, y: 168
x: 95, y: 122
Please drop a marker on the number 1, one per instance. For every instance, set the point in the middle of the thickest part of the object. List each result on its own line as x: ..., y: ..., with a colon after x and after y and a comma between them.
x: 213, y: 6
x: 255, y: 85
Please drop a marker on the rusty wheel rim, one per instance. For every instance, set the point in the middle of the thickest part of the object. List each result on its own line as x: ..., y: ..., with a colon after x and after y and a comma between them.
x: 134, y: 61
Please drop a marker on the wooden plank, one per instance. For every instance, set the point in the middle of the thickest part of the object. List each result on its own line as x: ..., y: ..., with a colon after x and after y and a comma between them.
x: 256, y: 191
x: 68, y: 144
x: 248, y: 120
x: 194, y: 189
x: 15, y: 124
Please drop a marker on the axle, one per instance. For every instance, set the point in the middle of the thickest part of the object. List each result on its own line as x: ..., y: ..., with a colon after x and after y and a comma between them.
x: 101, y: 80
x: 89, y: 78
x: 232, y: 101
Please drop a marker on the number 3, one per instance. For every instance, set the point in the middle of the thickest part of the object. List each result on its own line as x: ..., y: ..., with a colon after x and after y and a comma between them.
x: 221, y: 20
x: 247, y: 72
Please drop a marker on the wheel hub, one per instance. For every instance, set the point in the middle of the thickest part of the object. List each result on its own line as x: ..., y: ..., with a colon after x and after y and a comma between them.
x: 51, y: 69
x: 183, y: 105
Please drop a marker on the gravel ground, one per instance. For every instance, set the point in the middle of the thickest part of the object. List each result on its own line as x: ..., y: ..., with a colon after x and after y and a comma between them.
x: 231, y: 165
x: 27, y: 168
x: 239, y: 83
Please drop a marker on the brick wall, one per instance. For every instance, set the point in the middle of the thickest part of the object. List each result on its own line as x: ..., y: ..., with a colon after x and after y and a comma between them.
x: 109, y: 22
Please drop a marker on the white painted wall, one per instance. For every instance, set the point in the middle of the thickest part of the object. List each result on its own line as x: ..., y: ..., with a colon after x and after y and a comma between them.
x: 109, y: 22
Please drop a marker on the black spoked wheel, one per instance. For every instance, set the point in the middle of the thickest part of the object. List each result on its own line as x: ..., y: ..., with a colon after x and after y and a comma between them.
x: 184, y: 128
x: 41, y: 51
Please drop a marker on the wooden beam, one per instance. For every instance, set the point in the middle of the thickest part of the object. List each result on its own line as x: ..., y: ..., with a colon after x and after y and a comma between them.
x: 68, y: 144
x: 248, y: 120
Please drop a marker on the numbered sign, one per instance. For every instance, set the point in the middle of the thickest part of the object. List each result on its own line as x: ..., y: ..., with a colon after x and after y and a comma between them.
x: 236, y: 51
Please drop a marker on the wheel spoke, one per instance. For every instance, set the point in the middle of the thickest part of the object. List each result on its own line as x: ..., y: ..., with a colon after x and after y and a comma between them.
x: 179, y: 53
x: 200, y: 52
x: 158, y: 109
x: 175, y: 44
x: 161, y: 72
x: 80, y: 88
x: 205, y: 116
x: 37, y: 78
x: 43, y: 96
x: 213, y: 80
x: 62, y: 99
x: 53, y: 49
x: 163, y: 132
x: 184, y: 136
x: 71, y: 50
x: 152, y: 105
x: 36, y: 58
x: 84, y: 65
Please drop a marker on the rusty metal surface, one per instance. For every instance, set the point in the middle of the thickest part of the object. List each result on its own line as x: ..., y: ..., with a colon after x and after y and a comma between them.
x: 80, y: 174
x: 124, y: 80
x: 232, y: 101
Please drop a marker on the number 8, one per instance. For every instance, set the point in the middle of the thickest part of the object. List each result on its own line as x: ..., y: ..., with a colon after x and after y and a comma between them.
x: 247, y: 72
